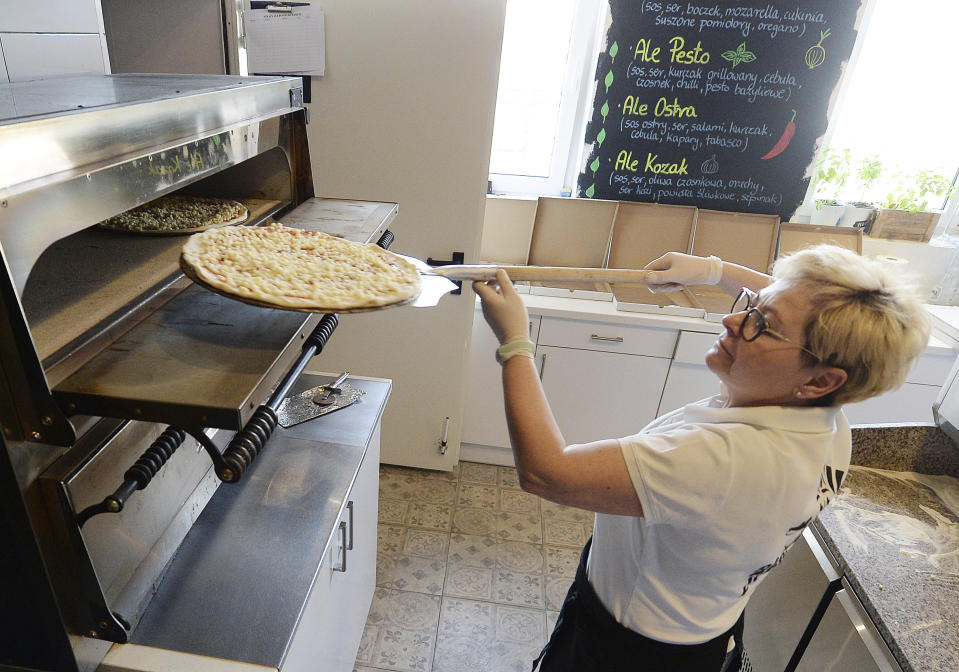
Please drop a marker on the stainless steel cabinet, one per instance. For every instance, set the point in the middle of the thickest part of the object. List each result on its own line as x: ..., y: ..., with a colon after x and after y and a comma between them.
x: 846, y: 639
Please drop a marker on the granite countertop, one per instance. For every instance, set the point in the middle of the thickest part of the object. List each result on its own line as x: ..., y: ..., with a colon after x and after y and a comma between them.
x: 894, y: 532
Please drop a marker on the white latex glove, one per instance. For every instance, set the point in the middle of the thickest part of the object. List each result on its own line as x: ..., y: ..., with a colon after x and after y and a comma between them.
x: 674, y: 270
x: 503, y: 308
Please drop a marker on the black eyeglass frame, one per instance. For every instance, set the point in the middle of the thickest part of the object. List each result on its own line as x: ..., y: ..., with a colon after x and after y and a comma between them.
x: 763, y: 327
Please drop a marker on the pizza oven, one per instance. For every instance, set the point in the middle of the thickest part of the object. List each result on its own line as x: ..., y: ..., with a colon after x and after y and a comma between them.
x: 112, y: 359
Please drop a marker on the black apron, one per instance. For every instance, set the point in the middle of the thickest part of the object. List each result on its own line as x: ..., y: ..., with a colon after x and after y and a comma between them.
x: 587, y: 637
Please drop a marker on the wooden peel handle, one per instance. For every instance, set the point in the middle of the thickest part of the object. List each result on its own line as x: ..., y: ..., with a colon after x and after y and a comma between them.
x: 620, y: 276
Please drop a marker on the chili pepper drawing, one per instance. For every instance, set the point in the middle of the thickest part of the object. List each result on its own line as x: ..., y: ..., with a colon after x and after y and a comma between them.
x: 816, y: 54
x: 784, y: 139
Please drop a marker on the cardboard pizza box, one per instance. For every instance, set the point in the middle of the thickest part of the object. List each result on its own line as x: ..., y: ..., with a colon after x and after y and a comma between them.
x: 741, y: 238
x: 572, y: 232
x: 507, y: 230
x: 794, y: 237
x: 643, y: 232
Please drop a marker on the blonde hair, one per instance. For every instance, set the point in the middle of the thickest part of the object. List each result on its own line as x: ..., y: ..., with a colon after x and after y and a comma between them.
x: 865, y: 319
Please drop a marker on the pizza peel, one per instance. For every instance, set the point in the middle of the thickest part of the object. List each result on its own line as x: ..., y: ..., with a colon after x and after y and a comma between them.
x: 438, y: 281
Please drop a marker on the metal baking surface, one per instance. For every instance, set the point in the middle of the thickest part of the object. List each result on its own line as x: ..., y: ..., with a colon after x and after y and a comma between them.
x: 198, y: 361
x: 251, y: 557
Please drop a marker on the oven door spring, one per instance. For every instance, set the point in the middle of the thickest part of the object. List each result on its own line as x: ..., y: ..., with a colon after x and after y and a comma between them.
x: 139, y: 475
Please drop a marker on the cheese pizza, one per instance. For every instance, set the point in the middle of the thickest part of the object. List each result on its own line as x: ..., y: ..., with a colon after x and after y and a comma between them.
x: 178, y: 215
x: 303, y: 270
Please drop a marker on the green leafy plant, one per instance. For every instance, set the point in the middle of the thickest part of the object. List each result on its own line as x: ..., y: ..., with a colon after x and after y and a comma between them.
x: 833, y: 170
x: 912, y: 191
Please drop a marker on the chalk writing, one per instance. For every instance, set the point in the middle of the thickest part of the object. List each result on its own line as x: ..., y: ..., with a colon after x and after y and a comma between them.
x: 713, y: 104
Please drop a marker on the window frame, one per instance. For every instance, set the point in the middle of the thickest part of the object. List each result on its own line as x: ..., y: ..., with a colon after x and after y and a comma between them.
x: 590, y: 22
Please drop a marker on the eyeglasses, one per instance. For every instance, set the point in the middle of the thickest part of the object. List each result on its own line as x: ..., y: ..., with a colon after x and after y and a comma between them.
x: 754, y: 324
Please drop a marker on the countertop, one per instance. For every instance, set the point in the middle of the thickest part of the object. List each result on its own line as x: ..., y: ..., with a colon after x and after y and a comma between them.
x: 942, y: 342
x: 252, y: 555
x: 894, y: 533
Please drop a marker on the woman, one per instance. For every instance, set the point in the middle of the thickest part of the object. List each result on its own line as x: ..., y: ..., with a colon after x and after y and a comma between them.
x: 694, y: 510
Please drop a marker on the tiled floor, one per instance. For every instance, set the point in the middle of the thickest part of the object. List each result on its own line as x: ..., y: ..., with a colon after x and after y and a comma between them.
x: 470, y: 571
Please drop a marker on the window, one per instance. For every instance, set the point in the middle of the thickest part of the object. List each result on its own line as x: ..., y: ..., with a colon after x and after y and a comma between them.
x: 897, y: 107
x: 546, y: 77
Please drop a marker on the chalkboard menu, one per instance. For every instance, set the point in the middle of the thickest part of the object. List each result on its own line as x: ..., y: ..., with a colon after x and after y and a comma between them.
x: 717, y: 105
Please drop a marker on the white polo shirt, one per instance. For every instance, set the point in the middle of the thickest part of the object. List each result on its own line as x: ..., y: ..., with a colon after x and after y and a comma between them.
x: 725, y: 492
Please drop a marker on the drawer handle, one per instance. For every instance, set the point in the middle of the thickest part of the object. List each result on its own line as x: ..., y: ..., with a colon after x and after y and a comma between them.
x: 349, y: 507
x: 608, y: 339
x: 342, y: 568
x: 542, y: 367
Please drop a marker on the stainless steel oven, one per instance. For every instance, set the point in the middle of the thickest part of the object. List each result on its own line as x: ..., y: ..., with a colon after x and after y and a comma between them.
x: 128, y: 394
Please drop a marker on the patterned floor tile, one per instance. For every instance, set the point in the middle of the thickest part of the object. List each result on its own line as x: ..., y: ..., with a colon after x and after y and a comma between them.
x: 564, y: 533
x: 430, y: 516
x: 434, y: 491
x: 520, y: 626
x: 405, y: 626
x: 518, y: 588
x: 508, y: 478
x: 385, y: 564
x: 480, y: 473
x: 561, y: 560
x: 517, y: 501
x: 390, y: 538
x: 556, y: 589
x: 418, y: 574
x: 554, y: 510
x: 474, y: 521
x: 519, y: 526
x: 478, y: 496
x: 427, y: 544
x: 472, y: 582
x: 551, y: 617
x: 472, y: 550
x: 467, y: 618
x: 520, y: 556
x: 393, y: 511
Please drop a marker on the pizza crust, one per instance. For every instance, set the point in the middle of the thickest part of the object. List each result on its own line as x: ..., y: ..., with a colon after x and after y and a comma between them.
x: 291, y: 268
x: 178, y: 215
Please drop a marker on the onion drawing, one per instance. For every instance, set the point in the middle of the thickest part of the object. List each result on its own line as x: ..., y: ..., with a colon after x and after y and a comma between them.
x: 816, y: 54
x: 710, y: 166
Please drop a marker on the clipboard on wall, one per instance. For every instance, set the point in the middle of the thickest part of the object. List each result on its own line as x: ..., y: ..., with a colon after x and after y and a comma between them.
x: 285, y: 38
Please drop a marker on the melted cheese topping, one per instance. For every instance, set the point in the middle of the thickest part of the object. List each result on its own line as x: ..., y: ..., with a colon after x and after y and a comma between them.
x: 294, y: 268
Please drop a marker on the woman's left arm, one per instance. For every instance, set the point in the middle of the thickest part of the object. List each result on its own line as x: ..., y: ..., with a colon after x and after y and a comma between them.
x: 590, y: 476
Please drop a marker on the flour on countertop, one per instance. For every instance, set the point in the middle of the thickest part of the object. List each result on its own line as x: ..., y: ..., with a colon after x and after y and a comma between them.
x: 931, y: 534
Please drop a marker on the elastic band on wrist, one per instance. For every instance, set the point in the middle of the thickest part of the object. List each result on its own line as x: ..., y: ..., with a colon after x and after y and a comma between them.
x: 526, y: 348
x: 715, y: 270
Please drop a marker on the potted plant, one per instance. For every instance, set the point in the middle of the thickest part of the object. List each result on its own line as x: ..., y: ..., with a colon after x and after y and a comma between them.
x: 904, y: 215
x: 862, y: 213
x: 832, y: 173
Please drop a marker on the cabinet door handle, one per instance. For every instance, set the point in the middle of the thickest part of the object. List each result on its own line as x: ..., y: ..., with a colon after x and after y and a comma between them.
x: 349, y: 507
x: 342, y: 568
x: 609, y: 339
x: 542, y: 366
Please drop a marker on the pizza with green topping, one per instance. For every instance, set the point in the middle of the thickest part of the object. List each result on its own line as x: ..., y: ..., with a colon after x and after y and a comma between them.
x: 177, y: 215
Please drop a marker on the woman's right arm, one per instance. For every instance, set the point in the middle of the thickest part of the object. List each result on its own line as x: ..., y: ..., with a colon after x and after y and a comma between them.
x: 674, y: 271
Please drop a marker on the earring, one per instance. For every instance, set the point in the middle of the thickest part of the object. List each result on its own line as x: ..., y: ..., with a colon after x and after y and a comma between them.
x: 799, y: 394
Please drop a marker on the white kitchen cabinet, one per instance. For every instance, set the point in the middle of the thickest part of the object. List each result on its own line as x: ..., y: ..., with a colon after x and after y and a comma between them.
x: 331, y: 625
x: 484, y: 416
x: 33, y: 55
x: 3, y: 68
x: 603, y: 380
x: 689, y: 379
x: 910, y: 403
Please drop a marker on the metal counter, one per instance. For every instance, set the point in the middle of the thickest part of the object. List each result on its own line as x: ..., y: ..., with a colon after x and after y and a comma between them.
x: 236, y: 587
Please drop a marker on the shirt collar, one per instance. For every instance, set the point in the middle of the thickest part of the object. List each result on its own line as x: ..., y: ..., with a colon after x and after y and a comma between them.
x: 805, y: 419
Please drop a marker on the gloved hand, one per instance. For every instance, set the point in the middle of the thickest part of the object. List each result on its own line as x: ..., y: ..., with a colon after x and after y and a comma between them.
x: 673, y: 271
x: 503, y: 308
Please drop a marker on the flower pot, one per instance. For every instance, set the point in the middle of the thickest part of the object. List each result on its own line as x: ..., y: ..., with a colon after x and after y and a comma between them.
x: 827, y: 215
x: 858, y: 216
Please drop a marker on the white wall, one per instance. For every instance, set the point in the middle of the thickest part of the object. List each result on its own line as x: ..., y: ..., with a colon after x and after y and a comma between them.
x: 405, y: 114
